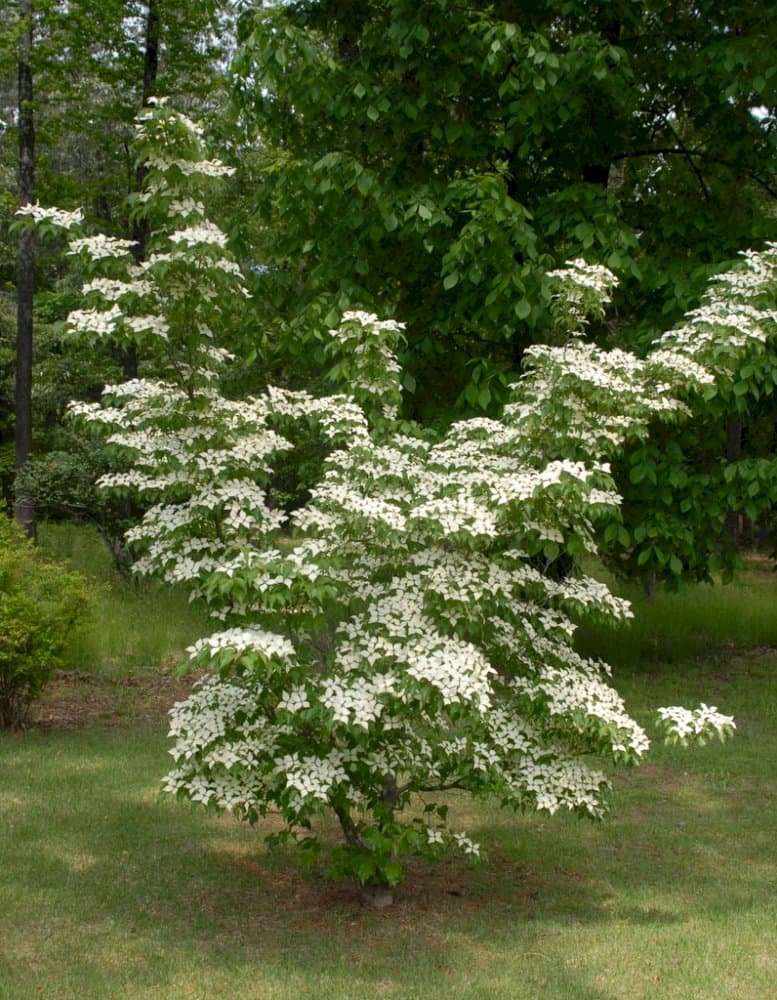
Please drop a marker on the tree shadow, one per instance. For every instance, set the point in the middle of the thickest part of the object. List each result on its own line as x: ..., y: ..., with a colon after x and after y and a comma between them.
x: 171, y: 882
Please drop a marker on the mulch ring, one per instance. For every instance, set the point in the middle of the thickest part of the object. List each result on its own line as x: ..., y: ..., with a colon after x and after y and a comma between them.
x: 74, y: 698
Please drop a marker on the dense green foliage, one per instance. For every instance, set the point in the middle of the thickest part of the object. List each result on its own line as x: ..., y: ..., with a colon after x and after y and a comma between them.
x: 694, y: 493
x: 39, y: 604
x: 91, y: 74
x: 432, y: 161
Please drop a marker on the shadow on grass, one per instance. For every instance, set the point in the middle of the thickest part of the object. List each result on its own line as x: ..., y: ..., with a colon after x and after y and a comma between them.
x: 107, y: 892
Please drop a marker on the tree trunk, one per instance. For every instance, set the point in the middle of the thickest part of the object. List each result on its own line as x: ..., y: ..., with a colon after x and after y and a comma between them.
x: 379, y: 896
x: 140, y: 226
x: 379, y: 893
x: 151, y: 60
x: 24, y: 510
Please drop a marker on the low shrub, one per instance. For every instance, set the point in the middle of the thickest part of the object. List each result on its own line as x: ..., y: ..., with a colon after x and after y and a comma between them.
x: 39, y: 604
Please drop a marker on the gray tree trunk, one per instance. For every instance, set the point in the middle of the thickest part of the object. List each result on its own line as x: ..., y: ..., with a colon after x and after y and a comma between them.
x: 24, y: 510
x: 140, y: 226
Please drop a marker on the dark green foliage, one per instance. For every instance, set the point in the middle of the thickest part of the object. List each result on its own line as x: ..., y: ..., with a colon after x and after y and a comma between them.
x: 431, y: 161
x: 39, y: 605
x: 687, y: 509
x: 7, y: 337
x: 695, y: 493
x: 62, y: 485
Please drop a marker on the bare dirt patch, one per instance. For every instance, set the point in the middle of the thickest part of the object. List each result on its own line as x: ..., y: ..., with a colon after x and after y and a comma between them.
x: 760, y: 565
x: 74, y: 699
x: 430, y: 891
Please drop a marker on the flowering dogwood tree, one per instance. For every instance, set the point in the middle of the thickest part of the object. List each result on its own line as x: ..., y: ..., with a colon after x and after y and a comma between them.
x: 404, y: 633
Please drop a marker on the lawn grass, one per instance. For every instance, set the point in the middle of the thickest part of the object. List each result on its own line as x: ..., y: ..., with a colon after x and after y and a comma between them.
x: 106, y: 892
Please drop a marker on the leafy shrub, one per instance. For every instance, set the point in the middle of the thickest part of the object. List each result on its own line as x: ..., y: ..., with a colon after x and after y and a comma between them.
x: 39, y: 603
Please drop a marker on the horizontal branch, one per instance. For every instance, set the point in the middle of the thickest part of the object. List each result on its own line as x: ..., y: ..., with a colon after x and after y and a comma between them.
x: 697, y: 153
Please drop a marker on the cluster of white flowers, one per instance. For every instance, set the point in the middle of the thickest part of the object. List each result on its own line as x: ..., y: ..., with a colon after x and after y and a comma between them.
x: 312, y: 777
x: 148, y: 324
x: 294, y: 700
x: 355, y: 700
x: 205, y: 232
x: 698, y: 725
x: 238, y: 640
x: 466, y: 845
x: 583, y: 290
x: 56, y: 216
x: 187, y: 207
x: 112, y: 289
x: 101, y: 247
x: 99, y: 322
x: 366, y: 348
x: 458, y: 670
x: 206, y: 168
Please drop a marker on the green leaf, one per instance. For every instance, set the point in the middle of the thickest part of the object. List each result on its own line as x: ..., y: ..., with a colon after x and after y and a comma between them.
x: 523, y: 308
x: 392, y: 872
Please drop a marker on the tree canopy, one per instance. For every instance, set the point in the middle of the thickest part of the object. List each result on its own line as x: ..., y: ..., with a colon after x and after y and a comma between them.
x: 438, y: 159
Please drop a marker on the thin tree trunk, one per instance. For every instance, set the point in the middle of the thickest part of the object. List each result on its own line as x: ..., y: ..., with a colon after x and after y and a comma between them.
x: 151, y: 60
x: 377, y: 894
x: 24, y: 510
x: 140, y: 227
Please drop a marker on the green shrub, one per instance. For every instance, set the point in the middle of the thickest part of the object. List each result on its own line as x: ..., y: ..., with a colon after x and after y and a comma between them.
x: 39, y: 604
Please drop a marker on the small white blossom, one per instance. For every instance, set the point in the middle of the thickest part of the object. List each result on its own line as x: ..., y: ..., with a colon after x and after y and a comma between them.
x: 56, y: 216
x: 100, y: 247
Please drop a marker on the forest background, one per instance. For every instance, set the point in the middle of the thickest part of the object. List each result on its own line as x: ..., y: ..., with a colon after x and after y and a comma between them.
x: 432, y: 163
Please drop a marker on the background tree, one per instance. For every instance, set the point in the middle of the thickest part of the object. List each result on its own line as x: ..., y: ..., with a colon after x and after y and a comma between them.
x: 92, y: 76
x: 24, y: 510
x: 689, y: 490
x: 435, y: 160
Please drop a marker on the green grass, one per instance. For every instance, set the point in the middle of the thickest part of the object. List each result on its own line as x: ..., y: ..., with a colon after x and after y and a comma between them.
x: 132, y: 627
x: 698, y: 619
x: 108, y: 893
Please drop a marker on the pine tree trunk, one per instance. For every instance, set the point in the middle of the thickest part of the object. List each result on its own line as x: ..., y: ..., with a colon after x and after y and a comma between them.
x: 129, y: 361
x: 24, y: 510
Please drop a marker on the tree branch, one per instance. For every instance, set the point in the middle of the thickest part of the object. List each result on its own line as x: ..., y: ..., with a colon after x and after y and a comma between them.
x: 688, y: 154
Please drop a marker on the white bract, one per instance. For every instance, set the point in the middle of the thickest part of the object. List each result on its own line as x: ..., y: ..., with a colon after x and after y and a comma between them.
x: 410, y: 629
x: 55, y: 216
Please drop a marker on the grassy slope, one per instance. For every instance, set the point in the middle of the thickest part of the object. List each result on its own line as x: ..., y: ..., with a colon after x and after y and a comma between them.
x: 107, y: 893
x: 133, y: 628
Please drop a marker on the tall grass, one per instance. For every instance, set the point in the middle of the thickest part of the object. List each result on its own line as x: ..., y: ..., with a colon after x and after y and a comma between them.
x: 134, y: 627
x: 137, y: 626
x: 672, y: 627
